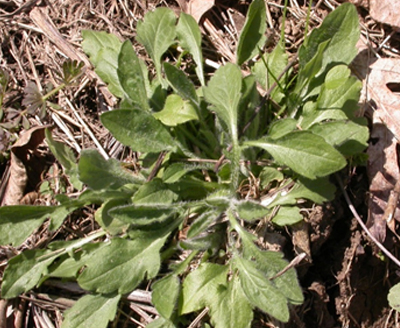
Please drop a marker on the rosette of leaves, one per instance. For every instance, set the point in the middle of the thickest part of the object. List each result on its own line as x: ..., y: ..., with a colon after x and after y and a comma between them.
x: 178, y: 204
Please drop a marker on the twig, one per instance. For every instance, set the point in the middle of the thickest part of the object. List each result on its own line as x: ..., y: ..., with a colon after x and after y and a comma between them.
x: 392, y: 203
x: 362, y: 224
x: 291, y: 265
x: 88, y: 131
x: 199, y: 318
x: 157, y: 166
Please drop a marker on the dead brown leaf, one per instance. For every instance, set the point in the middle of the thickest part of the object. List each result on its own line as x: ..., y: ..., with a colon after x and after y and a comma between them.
x: 22, y: 158
x: 385, y: 11
x: 383, y: 162
x: 196, y: 8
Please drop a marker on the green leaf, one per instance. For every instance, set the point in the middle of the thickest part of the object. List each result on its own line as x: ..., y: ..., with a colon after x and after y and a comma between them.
x: 305, y: 153
x: 251, y: 211
x: 161, y: 323
x: 282, y: 127
x: 25, y: 270
x: 318, y: 190
x: 112, y: 225
x: 202, y: 287
x: 268, y: 68
x: 139, y: 215
x: 223, y: 92
x: 252, y: 36
x: 306, y: 78
x: 91, y: 311
x: 66, y: 157
x: 335, y: 101
x: 60, y: 213
x: 394, y: 297
x: 260, y: 291
x: 131, y: 77
x: 90, y: 196
x: 175, y: 171
x: 233, y: 309
x: 18, y: 222
x: 103, y: 50
x: 154, y: 192
x: 268, y: 175
x: 181, y: 83
x: 99, y: 173
x: 287, y: 215
x: 137, y: 129
x: 189, y: 35
x: 71, y: 262
x: 348, y: 137
x: 202, y: 223
x: 122, y: 265
x: 341, y: 30
x: 270, y: 263
x: 176, y: 111
x: 157, y: 33
x: 165, y: 295
x: 212, y: 240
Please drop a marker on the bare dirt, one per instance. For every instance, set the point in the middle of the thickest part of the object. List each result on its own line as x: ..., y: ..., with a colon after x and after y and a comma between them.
x: 345, y: 280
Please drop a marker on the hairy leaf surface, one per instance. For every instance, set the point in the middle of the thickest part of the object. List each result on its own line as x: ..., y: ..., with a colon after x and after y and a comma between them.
x: 122, y: 265
x: 137, y: 129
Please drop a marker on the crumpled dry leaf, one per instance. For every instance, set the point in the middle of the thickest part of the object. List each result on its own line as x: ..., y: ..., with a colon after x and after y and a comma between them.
x: 196, y: 8
x: 385, y: 11
x: 22, y: 158
x: 383, y: 162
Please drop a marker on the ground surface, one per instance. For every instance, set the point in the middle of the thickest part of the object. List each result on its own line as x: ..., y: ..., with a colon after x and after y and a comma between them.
x: 346, y: 283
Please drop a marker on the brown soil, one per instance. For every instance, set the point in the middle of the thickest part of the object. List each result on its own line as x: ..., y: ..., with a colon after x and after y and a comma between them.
x: 345, y: 282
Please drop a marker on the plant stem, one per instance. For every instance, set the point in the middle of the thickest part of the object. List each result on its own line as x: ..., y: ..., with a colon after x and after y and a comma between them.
x: 235, y: 164
x: 54, y: 91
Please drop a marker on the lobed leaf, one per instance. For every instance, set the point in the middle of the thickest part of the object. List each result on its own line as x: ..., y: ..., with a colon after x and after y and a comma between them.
x: 202, y: 287
x: 122, y: 265
x: 233, y: 309
x: 25, y: 270
x: 270, y: 263
x: 260, y: 291
x: 18, y: 222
